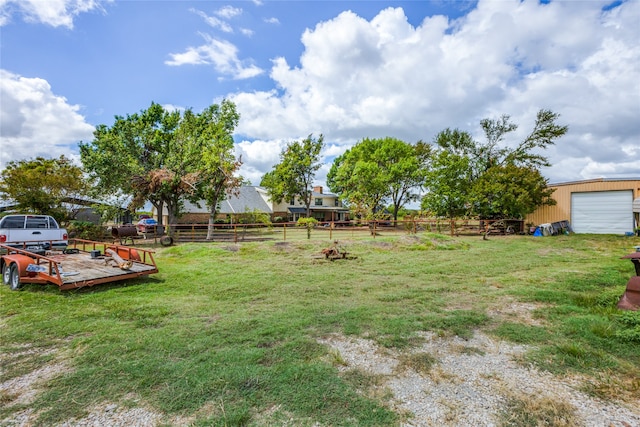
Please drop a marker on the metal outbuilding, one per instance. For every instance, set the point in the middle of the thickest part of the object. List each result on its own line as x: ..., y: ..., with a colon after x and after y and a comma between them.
x: 599, y: 206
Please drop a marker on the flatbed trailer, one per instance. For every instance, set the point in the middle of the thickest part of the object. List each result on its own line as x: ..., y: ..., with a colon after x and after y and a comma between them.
x: 82, y: 263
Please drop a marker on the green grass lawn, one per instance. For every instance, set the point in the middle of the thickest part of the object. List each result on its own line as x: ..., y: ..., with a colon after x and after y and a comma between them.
x: 226, y: 333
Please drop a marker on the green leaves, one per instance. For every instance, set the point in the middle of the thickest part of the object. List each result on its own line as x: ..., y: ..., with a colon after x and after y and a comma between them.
x: 293, y: 176
x: 448, y: 185
x: 44, y: 186
x: 375, y: 170
x: 164, y: 156
x: 490, y: 179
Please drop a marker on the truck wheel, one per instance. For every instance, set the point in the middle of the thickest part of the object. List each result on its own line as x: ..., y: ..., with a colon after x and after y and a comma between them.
x: 6, y: 273
x: 14, y: 277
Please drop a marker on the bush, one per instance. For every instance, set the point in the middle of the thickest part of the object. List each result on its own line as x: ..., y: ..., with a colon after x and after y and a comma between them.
x: 308, y: 223
x: 86, y: 230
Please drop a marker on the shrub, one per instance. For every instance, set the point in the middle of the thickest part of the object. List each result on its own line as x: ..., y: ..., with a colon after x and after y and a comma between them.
x: 309, y: 223
x: 86, y: 230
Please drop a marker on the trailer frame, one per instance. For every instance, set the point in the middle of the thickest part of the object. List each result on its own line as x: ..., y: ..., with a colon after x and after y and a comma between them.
x: 82, y: 263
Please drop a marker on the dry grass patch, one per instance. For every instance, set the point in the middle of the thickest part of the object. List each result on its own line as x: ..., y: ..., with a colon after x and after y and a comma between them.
x: 508, y: 309
x: 538, y: 411
x: 419, y: 362
x: 468, y: 350
x: 617, y: 385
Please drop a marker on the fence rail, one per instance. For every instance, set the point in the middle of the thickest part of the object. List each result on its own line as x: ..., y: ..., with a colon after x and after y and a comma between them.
x: 337, y: 230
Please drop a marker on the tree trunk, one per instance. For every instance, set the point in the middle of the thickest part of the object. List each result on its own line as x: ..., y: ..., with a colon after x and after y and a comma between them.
x: 172, y: 217
x: 159, y: 208
x: 212, y: 221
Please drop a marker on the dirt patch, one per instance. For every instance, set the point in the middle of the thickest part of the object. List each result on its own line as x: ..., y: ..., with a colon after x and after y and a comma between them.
x: 468, y: 382
x: 515, y: 311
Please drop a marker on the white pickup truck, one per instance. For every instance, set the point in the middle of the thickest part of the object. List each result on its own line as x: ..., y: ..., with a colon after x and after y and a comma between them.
x: 32, y: 232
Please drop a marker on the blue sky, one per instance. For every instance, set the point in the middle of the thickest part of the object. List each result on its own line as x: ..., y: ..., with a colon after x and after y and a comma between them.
x: 348, y: 70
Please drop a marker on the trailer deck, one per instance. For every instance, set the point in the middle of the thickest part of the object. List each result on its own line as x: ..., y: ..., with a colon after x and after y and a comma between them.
x: 83, y: 263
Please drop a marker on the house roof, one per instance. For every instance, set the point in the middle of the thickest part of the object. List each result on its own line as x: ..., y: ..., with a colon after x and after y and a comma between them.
x: 318, y: 194
x: 249, y: 198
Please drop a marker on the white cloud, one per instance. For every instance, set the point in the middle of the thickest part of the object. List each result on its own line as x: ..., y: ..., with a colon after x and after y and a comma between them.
x: 226, y: 13
x: 36, y: 122
x: 247, y: 32
x: 385, y: 77
x: 229, y: 12
x: 222, y: 54
x: 214, y: 22
x: 259, y: 157
x: 272, y: 20
x: 56, y: 13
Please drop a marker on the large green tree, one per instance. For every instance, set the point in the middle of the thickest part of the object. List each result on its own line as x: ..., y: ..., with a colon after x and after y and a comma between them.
x: 377, y: 170
x: 293, y: 177
x: 128, y: 159
x: 503, y: 180
x: 210, y: 134
x: 162, y: 156
x: 509, y: 191
x: 448, y: 189
x: 44, y: 186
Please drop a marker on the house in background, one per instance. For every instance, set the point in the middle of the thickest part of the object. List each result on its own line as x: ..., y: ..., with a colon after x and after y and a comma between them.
x: 324, y: 207
x: 598, y: 206
x: 248, y: 199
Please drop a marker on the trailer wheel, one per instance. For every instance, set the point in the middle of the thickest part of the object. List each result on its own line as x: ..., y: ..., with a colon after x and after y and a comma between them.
x: 14, y: 277
x: 6, y: 273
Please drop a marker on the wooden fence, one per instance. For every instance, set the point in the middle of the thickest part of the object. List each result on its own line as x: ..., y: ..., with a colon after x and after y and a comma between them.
x: 338, y: 230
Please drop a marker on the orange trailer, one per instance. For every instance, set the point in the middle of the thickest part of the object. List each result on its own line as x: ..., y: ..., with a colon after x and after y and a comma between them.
x: 82, y: 263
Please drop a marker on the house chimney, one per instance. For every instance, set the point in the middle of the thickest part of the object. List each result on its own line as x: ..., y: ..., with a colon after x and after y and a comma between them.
x: 317, y: 189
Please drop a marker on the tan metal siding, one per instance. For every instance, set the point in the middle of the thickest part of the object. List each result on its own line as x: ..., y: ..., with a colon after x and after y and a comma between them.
x: 562, y: 194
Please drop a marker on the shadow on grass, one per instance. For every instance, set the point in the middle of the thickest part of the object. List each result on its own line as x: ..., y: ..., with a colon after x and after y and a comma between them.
x: 85, y: 290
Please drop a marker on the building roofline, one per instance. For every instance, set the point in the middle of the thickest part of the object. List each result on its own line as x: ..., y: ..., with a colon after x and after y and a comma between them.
x: 588, y: 181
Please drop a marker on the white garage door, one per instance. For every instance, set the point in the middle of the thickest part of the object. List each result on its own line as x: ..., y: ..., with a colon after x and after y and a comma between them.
x: 602, y: 212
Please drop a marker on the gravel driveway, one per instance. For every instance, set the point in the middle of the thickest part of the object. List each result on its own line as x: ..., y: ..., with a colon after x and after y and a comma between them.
x: 467, y: 383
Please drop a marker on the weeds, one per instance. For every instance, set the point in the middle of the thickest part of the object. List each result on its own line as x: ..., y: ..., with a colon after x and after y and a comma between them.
x: 419, y: 362
x: 534, y: 411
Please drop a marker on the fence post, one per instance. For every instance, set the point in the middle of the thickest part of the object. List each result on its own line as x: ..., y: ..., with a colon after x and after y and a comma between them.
x: 235, y: 233
x: 284, y: 233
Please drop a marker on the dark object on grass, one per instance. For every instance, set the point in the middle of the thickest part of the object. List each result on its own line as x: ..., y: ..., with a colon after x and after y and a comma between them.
x: 630, y: 300
x: 334, y: 252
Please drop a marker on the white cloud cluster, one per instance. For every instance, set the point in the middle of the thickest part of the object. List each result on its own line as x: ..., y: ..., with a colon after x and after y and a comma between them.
x: 57, y: 13
x: 385, y: 77
x: 36, y: 122
x: 222, y: 54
